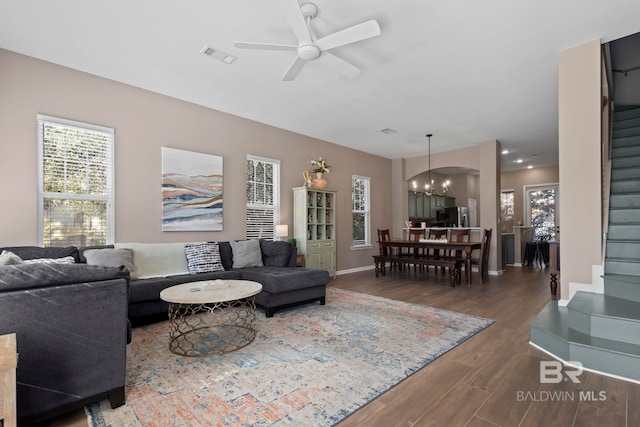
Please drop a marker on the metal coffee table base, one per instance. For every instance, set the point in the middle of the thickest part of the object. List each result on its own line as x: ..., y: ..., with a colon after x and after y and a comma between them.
x: 197, y: 330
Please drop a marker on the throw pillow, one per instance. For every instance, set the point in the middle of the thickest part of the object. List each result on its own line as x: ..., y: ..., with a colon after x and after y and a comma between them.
x: 246, y: 253
x: 276, y: 254
x: 110, y: 258
x: 203, y: 257
x: 64, y: 260
x: 50, y: 252
x: 9, y: 258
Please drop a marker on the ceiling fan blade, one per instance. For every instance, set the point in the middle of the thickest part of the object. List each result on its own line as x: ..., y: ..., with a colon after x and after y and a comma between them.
x: 349, y: 35
x: 293, y: 70
x: 339, y: 65
x: 291, y: 10
x: 264, y: 46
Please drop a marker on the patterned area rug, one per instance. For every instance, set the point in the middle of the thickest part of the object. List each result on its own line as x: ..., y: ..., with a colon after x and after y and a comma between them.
x: 311, y: 365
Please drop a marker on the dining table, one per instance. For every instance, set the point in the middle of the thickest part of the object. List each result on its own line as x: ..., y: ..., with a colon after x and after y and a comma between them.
x: 390, y: 247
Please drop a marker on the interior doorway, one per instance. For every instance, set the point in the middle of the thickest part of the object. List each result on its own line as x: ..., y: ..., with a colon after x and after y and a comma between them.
x: 541, y: 209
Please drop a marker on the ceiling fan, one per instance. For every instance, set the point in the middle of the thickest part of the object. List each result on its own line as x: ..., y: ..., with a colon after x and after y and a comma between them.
x: 311, y: 48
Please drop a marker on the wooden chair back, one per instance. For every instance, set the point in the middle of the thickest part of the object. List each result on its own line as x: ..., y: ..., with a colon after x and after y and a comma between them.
x: 383, y: 236
x: 416, y: 235
x: 437, y: 234
x: 459, y: 235
x: 484, y: 251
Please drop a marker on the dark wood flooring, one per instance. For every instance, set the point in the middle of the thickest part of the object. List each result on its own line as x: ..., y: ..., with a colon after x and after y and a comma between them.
x: 493, y: 379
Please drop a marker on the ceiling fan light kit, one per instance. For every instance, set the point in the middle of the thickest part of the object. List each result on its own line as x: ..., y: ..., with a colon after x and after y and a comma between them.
x: 309, y: 47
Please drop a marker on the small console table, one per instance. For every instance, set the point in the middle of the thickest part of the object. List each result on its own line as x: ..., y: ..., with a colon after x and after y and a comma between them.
x: 8, y: 363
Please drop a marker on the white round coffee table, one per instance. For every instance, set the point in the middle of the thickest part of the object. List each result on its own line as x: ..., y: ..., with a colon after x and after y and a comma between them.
x: 211, y: 317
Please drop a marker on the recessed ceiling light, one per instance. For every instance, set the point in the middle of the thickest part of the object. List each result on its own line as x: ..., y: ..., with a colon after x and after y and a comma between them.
x: 519, y: 161
x: 219, y: 55
x: 530, y: 167
x: 388, y: 131
x: 505, y: 151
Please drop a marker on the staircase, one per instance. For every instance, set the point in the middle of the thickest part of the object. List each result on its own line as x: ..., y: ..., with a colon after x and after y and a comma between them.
x: 602, y: 331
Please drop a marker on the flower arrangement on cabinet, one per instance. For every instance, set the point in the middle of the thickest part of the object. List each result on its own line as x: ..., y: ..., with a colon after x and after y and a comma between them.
x: 320, y: 166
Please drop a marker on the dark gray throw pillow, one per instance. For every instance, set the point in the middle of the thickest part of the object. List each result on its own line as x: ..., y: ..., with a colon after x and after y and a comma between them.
x: 276, y: 254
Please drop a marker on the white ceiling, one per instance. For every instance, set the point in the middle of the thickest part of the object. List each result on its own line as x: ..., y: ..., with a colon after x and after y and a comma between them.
x: 467, y: 71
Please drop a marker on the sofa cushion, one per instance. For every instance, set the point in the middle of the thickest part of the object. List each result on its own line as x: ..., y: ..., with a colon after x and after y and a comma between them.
x: 31, y: 252
x: 110, y: 257
x: 284, y: 279
x: 28, y: 276
x: 203, y: 257
x: 157, y: 259
x: 246, y: 253
x: 276, y: 254
x: 149, y: 289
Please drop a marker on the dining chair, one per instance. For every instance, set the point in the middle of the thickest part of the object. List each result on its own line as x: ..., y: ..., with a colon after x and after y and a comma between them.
x: 435, y: 253
x: 415, y: 236
x: 483, y: 261
x: 459, y: 235
x: 384, y: 236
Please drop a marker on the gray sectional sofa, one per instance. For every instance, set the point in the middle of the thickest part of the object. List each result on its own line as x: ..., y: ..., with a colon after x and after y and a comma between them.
x: 73, y: 320
x: 283, y: 284
x: 71, y: 325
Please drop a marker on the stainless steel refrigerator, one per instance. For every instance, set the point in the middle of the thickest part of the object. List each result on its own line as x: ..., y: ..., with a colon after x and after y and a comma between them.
x: 458, y: 216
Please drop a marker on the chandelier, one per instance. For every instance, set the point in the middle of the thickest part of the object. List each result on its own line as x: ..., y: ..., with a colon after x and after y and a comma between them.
x: 430, y: 187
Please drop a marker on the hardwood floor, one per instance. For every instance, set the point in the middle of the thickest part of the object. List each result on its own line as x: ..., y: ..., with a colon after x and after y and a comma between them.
x: 493, y: 379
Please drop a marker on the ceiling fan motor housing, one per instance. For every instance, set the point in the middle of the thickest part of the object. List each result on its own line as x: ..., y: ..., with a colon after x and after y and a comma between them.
x: 308, y: 52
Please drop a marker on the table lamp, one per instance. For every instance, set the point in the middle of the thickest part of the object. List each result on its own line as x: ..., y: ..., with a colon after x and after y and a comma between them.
x: 282, y: 231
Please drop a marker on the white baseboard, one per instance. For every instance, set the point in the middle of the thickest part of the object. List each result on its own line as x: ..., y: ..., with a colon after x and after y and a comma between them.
x: 597, y: 285
x: 372, y: 267
x: 355, y: 270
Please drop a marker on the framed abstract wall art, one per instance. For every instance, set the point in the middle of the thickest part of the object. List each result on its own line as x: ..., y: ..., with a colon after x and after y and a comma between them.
x: 191, y: 191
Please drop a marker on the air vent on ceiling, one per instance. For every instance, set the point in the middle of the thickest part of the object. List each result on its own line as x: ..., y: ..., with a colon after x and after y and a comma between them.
x: 219, y: 55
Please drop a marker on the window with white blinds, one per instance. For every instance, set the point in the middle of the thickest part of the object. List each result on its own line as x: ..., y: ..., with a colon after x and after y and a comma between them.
x: 75, y: 183
x: 361, y: 207
x: 263, y: 197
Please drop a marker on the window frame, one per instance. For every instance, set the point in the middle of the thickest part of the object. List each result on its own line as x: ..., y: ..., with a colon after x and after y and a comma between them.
x: 275, y: 206
x: 366, y: 244
x: 108, y: 197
